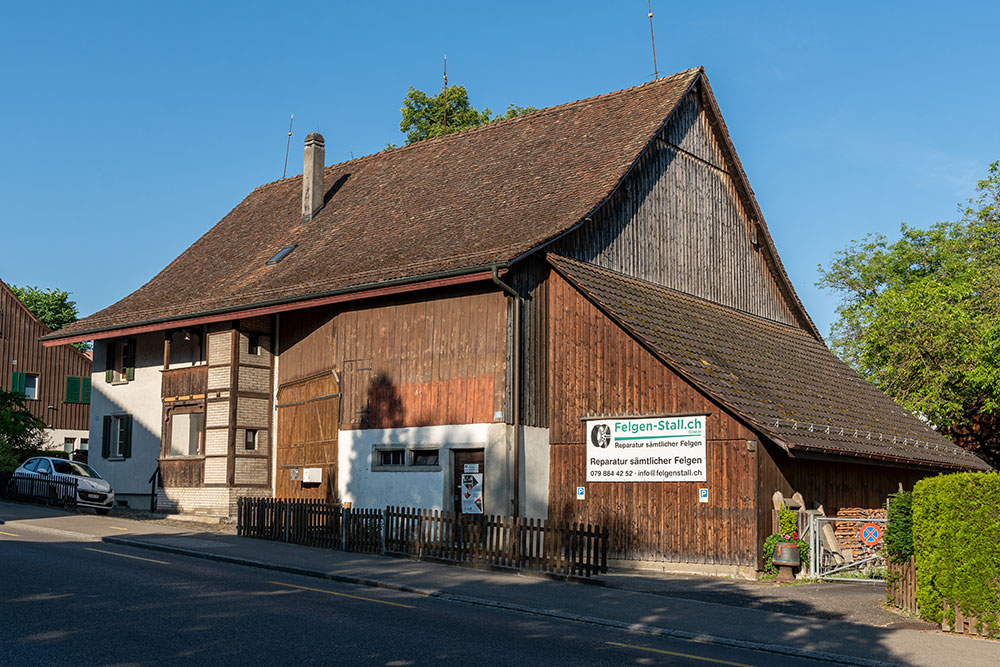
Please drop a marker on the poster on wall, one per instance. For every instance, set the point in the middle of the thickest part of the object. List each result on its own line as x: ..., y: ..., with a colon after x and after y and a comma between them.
x: 472, y: 493
x: 649, y: 449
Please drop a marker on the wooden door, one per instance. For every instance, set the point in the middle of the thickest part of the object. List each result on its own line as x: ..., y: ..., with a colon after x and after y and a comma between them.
x: 308, y: 420
x: 462, y: 458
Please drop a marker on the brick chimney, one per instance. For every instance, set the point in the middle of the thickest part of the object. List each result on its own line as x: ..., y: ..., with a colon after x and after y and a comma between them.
x: 312, y: 176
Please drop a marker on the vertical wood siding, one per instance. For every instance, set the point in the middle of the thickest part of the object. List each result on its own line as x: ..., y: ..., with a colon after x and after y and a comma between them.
x: 19, y: 332
x: 530, y: 280
x: 406, y: 362
x: 679, y: 221
x: 597, y: 369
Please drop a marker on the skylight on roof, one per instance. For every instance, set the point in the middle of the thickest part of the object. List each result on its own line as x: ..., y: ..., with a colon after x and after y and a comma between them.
x: 281, y: 254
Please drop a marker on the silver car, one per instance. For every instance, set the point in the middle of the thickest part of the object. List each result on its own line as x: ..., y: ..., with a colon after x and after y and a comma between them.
x: 92, y: 490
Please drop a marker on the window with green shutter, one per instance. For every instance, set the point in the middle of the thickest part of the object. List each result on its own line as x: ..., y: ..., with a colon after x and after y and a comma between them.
x: 116, y: 442
x: 77, y: 390
x: 17, y: 382
x: 120, y: 361
x: 72, y: 389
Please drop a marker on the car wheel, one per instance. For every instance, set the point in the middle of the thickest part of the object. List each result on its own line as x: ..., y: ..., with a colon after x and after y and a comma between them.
x: 103, y: 511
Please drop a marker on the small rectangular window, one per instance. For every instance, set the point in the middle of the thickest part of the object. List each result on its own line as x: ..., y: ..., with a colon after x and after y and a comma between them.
x: 31, y: 386
x: 392, y: 458
x: 69, y: 444
x: 281, y: 254
x: 251, y: 439
x: 84, y: 444
x: 253, y: 344
x: 425, y: 457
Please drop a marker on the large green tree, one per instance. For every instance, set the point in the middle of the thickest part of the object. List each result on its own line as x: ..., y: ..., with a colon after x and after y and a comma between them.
x: 20, y: 431
x: 424, y: 115
x: 52, y: 306
x: 920, y: 318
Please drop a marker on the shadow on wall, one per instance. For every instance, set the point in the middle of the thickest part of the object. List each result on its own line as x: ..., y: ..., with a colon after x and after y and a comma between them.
x: 384, y: 408
x: 127, y: 475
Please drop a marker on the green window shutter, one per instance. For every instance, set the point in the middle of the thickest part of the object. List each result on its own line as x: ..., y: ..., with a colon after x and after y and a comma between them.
x: 128, y: 356
x: 106, y: 438
x: 85, y: 390
x: 17, y: 382
x: 127, y: 445
x: 109, y: 376
x: 72, y: 389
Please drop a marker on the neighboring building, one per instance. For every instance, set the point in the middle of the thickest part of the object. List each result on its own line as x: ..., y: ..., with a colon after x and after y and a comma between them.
x: 464, y: 305
x: 55, y: 381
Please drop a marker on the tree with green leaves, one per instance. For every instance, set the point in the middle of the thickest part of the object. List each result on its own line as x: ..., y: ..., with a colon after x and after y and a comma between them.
x: 20, y: 431
x: 52, y: 306
x: 424, y: 116
x: 920, y: 318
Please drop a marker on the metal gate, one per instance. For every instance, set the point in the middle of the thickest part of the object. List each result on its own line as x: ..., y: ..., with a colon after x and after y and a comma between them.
x: 842, y: 549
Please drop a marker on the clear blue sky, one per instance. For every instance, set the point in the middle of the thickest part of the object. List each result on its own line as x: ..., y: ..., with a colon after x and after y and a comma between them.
x: 129, y: 128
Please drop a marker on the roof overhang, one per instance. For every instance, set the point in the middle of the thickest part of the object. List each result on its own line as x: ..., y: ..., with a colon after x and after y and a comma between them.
x: 356, y: 293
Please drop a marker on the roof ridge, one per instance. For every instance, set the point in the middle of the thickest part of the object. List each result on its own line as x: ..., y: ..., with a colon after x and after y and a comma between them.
x: 454, y: 136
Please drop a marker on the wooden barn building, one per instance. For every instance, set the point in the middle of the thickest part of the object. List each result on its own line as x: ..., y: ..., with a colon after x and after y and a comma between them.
x: 54, y: 381
x: 490, y: 311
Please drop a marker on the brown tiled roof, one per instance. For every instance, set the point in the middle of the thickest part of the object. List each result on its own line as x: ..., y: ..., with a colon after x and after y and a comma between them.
x: 780, y: 379
x: 468, y: 199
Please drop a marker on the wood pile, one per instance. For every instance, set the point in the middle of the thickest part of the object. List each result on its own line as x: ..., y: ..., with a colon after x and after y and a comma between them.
x: 848, y: 532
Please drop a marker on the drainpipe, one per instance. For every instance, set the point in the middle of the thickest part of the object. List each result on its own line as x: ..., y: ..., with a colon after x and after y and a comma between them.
x: 516, y: 398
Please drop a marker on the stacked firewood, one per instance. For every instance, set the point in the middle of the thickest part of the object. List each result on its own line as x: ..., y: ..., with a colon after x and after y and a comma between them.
x: 848, y: 532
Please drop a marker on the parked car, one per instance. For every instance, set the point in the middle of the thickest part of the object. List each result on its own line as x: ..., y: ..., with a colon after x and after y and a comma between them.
x: 92, y: 490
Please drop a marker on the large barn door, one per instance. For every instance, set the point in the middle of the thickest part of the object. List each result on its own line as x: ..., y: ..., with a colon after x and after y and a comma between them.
x: 308, y: 420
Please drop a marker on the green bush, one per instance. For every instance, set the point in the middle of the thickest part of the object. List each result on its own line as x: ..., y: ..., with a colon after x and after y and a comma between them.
x: 899, y: 531
x: 956, y: 538
x: 788, y: 527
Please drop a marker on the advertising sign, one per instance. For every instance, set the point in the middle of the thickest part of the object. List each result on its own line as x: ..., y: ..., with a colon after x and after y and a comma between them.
x: 472, y: 492
x: 650, y: 449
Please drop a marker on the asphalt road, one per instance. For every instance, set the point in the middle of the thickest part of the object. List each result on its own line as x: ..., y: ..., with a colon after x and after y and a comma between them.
x: 90, y: 603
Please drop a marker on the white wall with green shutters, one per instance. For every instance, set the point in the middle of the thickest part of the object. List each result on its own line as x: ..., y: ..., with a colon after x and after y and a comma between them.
x: 140, y: 398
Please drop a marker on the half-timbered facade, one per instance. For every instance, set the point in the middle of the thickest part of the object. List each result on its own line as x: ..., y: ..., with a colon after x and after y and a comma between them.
x: 461, y: 306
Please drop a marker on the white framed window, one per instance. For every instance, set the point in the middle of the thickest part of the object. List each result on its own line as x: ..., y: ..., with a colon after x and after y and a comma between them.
x: 117, y: 440
x: 31, y: 386
x: 69, y: 444
x: 187, y: 432
x: 401, y: 458
x: 120, y: 361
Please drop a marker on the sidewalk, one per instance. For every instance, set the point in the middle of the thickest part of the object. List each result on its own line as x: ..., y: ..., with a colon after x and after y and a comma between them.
x: 837, y: 622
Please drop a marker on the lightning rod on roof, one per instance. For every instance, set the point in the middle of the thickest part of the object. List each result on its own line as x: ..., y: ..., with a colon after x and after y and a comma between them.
x: 649, y: 6
x: 444, y: 128
x: 287, y: 145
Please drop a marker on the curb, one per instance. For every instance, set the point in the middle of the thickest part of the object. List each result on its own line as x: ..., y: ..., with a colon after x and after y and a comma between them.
x: 482, y: 602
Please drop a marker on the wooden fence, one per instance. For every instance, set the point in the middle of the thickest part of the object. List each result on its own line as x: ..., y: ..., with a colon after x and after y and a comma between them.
x: 485, y: 540
x: 901, y: 585
x: 493, y: 540
x: 310, y: 522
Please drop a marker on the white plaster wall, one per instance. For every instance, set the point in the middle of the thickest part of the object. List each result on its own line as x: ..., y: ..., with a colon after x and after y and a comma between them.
x: 54, y: 438
x: 535, y: 472
x: 139, y: 398
x: 413, y: 488
x: 425, y: 489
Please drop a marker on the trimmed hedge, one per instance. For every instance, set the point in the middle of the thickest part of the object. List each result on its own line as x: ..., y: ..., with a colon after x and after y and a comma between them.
x: 956, y: 535
x: 899, y: 531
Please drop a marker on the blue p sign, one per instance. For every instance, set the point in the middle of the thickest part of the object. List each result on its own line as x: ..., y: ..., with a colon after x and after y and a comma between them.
x: 702, y: 495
